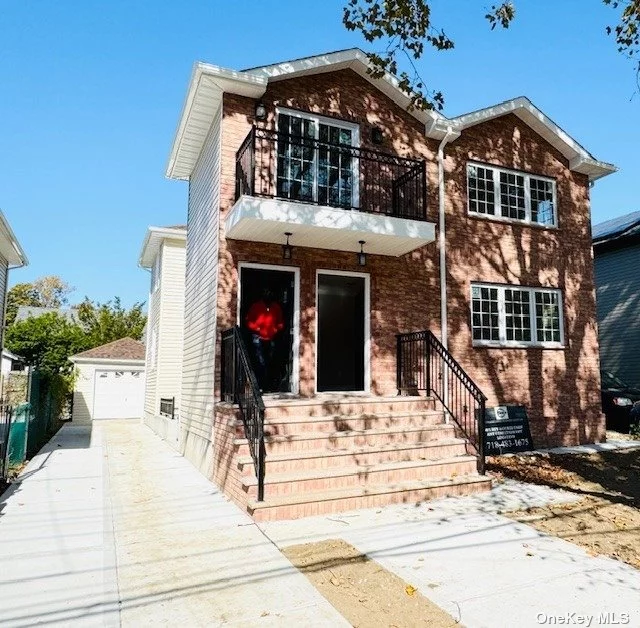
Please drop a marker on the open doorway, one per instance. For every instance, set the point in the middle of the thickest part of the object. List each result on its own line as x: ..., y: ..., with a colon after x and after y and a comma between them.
x: 268, y: 317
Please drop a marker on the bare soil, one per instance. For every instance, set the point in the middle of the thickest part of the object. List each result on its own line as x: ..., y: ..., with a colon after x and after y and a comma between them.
x: 365, y: 593
x: 606, y: 520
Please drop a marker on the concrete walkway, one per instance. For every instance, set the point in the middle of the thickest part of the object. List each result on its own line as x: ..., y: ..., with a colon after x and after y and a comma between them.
x: 112, y: 527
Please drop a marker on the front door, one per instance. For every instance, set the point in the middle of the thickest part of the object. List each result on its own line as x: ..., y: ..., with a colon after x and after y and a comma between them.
x: 267, y: 312
x: 341, y: 342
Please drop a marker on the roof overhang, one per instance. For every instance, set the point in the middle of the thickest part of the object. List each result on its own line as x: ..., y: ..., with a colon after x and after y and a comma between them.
x: 580, y: 160
x: 209, y: 82
x: 153, y: 241
x: 10, y: 248
x: 105, y: 361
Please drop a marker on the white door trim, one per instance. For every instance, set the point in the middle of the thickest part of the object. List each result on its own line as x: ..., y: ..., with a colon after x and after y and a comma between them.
x: 367, y: 325
x: 295, y: 349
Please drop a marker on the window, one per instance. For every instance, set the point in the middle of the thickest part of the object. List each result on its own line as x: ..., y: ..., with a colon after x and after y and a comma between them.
x: 311, y: 167
x: 510, y: 195
x: 516, y: 316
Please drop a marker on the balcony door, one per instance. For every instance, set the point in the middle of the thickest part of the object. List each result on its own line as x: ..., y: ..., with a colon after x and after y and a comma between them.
x: 315, y: 162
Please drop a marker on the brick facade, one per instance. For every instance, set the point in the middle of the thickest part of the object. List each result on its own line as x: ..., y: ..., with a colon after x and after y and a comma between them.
x: 559, y: 387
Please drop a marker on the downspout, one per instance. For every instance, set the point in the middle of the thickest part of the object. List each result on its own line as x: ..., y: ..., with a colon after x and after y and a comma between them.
x: 449, y: 135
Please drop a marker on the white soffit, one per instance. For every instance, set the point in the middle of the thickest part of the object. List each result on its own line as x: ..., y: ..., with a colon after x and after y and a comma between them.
x: 153, y: 241
x: 208, y: 84
x: 580, y: 160
x: 266, y: 220
x: 10, y: 248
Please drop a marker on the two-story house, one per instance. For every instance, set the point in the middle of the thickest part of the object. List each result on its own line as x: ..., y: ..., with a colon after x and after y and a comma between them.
x: 361, y: 280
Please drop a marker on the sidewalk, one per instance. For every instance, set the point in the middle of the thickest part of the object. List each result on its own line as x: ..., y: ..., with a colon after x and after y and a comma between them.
x: 185, y: 556
x: 485, y: 570
x: 111, y: 527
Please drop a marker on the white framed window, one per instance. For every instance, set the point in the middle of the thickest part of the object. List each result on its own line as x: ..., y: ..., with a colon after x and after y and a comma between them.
x: 319, y: 173
x: 509, y: 195
x: 516, y: 316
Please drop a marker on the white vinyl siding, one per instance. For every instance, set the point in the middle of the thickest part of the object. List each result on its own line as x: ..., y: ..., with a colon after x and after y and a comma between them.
x: 171, y: 329
x: 201, y: 285
x: 4, y: 272
x: 509, y: 195
x: 516, y: 316
x: 153, y: 325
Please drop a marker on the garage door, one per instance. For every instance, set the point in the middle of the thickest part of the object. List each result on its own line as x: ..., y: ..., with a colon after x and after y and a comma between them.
x: 118, y: 395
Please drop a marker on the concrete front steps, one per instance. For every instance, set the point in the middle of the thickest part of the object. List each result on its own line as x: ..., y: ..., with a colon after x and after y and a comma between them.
x: 331, y: 454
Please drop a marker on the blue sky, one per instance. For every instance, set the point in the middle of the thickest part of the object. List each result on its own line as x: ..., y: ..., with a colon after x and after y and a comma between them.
x: 91, y: 92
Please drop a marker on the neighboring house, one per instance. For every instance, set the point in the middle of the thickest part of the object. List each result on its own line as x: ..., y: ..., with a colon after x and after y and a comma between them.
x: 29, y: 311
x: 163, y: 253
x: 11, y: 256
x: 474, y: 230
x: 109, y: 382
x: 11, y: 363
x: 616, y: 248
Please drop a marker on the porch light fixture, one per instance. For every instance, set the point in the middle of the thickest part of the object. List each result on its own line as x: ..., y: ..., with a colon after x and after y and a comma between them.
x: 376, y: 135
x: 261, y: 111
x: 361, y: 256
x: 287, y: 249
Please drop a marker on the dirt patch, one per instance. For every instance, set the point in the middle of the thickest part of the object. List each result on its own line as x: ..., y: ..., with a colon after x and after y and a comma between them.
x: 365, y: 593
x: 606, y: 520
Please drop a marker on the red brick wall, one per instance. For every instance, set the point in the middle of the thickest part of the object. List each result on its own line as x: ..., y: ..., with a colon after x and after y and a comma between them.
x: 559, y: 387
x: 404, y: 290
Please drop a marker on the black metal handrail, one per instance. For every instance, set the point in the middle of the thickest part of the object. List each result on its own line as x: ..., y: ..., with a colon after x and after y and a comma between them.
x: 168, y: 407
x: 239, y: 385
x: 425, y: 365
x: 270, y: 164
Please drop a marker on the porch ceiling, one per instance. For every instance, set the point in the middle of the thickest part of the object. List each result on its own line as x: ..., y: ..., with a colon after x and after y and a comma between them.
x: 266, y: 220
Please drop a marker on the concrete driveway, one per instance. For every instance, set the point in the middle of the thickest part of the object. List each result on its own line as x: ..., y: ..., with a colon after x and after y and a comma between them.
x: 109, y: 526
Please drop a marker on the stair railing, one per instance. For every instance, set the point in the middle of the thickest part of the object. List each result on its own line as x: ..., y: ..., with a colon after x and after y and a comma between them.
x: 425, y: 365
x: 239, y: 385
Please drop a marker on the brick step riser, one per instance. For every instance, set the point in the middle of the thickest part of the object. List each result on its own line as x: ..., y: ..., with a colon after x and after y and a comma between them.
x: 296, y: 511
x: 369, y: 458
x: 282, y: 427
x: 348, y: 442
x: 365, y: 478
x: 348, y: 409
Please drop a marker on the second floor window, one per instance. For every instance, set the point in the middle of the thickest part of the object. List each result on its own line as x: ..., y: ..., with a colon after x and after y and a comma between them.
x: 311, y: 166
x: 511, y: 195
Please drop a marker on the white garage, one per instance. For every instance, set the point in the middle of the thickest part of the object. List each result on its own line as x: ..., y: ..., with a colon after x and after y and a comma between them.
x: 109, y: 382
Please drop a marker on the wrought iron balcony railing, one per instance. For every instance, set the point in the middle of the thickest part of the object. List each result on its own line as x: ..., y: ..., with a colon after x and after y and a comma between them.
x: 270, y: 164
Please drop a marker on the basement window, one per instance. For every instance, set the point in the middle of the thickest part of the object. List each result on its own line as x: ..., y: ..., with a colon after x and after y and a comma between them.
x: 515, y: 316
x: 509, y: 195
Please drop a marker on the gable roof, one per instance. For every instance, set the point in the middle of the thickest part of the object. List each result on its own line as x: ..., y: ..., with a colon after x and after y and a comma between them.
x: 125, y: 349
x: 616, y: 229
x: 209, y: 82
x: 27, y: 311
x: 580, y: 160
x: 153, y: 240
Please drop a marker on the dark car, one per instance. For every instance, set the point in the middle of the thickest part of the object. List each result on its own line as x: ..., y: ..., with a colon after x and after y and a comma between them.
x: 620, y: 403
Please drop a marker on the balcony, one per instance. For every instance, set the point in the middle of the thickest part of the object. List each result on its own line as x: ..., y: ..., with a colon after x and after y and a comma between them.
x: 328, y: 195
